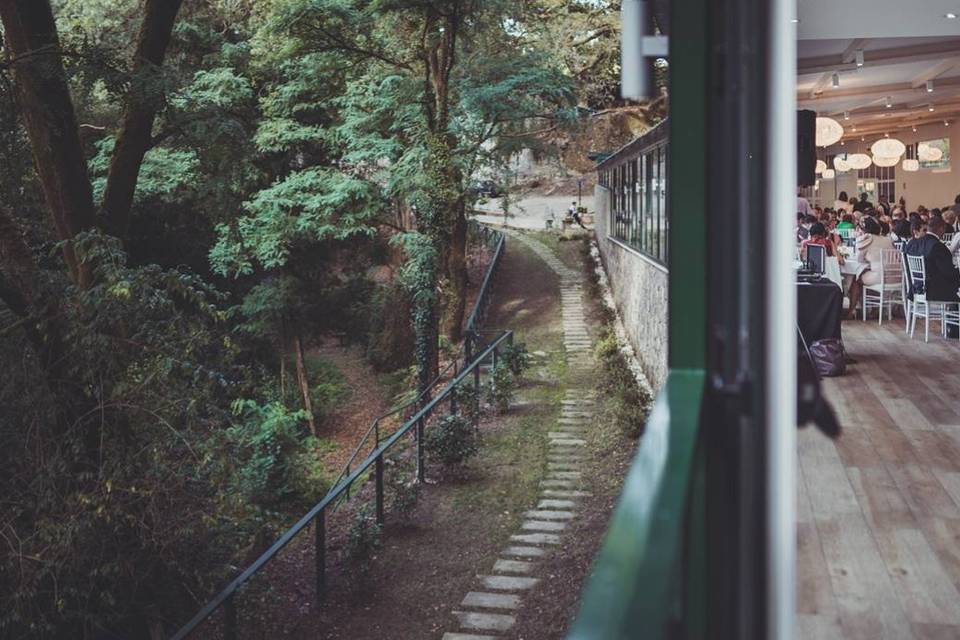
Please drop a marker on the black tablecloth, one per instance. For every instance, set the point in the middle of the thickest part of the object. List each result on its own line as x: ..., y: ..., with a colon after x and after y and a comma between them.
x: 819, y: 310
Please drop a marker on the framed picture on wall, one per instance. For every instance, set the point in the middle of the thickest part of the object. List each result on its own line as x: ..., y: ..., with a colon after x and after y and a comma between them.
x: 934, y: 154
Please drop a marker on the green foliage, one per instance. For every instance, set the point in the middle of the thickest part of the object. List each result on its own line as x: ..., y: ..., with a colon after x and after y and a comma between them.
x: 501, y: 387
x: 468, y: 401
x: 310, y: 205
x: 452, y: 440
x: 363, y: 540
x: 273, y: 461
x: 167, y: 175
x: 630, y: 403
x: 516, y: 358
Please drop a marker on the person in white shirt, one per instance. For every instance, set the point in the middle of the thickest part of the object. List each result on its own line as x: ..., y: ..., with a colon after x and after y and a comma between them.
x: 842, y: 203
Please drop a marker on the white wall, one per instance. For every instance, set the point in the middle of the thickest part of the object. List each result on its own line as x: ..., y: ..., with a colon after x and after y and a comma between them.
x: 926, y: 187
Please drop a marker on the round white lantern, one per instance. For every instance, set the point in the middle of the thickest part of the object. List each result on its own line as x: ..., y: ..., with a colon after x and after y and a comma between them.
x: 929, y: 154
x: 882, y: 161
x: 828, y: 174
x: 859, y: 161
x: 911, y: 164
x: 840, y: 163
x: 829, y: 132
x: 888, y: 148
x: 821, y: 166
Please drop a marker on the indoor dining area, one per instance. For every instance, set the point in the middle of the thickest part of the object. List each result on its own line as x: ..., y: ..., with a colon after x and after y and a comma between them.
x: 877, y: 238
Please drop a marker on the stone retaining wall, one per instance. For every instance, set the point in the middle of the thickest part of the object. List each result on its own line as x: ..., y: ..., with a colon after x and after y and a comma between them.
x: 639, y: 288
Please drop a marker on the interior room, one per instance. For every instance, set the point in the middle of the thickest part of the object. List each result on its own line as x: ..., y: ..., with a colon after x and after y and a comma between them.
x: 879, y: 508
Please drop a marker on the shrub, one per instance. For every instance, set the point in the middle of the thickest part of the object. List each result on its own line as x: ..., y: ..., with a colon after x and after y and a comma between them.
x: 452, y: 440
x: 272, y: 462
x: 630, y: 402
x: 516, y: 357
x: 468, y: 401
x: 363, y: 539
x: 501, y: 387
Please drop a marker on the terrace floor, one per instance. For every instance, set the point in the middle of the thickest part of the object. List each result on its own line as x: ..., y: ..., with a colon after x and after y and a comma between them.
x: 879, y: 508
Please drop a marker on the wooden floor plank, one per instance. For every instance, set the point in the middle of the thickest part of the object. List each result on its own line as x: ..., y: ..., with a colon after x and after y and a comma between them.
x: 879, y: 509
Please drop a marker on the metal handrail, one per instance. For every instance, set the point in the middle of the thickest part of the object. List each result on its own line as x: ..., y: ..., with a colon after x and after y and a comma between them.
x: 317, y: 513
x: 472, y: 335
x: 341, y: 486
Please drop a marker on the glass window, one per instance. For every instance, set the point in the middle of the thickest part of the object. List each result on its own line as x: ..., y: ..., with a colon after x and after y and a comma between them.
x: 639, y: 207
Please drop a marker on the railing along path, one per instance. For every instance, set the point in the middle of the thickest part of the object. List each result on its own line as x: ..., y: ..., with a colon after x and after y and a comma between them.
x: 474, y: 353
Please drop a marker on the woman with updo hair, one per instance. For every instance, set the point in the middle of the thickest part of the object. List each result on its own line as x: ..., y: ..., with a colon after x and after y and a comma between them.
x: 870, y: 247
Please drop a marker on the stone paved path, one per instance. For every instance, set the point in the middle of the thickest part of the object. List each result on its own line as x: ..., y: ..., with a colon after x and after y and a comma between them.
x: 488, y: 611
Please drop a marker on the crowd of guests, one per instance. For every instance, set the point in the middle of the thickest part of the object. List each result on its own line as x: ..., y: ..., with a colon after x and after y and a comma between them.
x: 886, y: 226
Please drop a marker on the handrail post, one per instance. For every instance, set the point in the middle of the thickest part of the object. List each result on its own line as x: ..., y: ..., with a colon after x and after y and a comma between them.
x: 379, y: 474
x: 320, y: 552
x: 421, y: 458
x: 453, y: 400
x: 230, y: 619
x: 496, y: 350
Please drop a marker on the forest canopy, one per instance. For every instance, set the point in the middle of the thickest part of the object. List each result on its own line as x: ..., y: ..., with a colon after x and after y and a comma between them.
x: 191, y: 193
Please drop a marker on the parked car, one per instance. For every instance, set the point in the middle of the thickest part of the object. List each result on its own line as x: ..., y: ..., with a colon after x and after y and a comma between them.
x: 486, y: 188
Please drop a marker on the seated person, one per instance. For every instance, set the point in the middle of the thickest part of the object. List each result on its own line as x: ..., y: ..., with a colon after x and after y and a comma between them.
x: 900, y: 231
x: 846, y: 222
x: 950, y: 217
x: 803, y: 229
x: 870, y: 246
x: 820, y: 236
x: 943, y: 279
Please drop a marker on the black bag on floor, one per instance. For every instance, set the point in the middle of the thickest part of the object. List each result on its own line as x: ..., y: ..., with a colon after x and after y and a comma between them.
x: 829, y: 357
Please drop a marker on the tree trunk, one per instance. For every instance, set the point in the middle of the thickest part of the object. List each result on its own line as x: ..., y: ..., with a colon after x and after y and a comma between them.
x: 457, y: 273
x: 304, y: 384
x: 144, y: 98
x: 32, y: 43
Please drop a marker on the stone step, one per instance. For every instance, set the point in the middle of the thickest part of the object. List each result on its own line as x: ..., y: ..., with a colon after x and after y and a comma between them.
x: 524, y: 552
x: 509, y: 583
x: 543, y: 525
x: 513, y: 566
x: 484, y: 621
x: 466, y: 636
x: 536, y: 538
x: 484, y: 600
x: 564, y: 435
x: 544, y: 514
x: 564, y: 475
x: 566, y: 493
x: 571, y: 442
x: 556, y: 504
x: 576, y: 402
x: 563, y: 466
x: 558, y: 484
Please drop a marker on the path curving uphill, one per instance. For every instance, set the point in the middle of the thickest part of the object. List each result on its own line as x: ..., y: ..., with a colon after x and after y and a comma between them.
x: 488, y: 611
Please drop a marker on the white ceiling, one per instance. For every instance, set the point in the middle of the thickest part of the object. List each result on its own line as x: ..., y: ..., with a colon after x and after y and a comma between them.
x: 904, y: 45
x: 830, y: 19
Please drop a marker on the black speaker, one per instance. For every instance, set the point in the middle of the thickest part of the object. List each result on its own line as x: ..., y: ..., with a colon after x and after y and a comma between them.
x: 806, y: 148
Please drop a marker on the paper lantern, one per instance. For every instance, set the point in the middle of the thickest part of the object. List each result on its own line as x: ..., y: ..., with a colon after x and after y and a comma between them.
x: 911, y: 165
x: 840, y: 163
x: 828, y: 174
x: 829, y: 132
x: 882, y: 161
x: 888, y: 148
x: 859, y: 161
x: 926, y: 153
x: 821, y: 166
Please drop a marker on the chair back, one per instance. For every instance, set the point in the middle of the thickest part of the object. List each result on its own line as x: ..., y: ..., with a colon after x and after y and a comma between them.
x: 845, y: 233
x: 918, y: 274
x: 899, y: 244
x: 891, y: 266
x: 947, y: 237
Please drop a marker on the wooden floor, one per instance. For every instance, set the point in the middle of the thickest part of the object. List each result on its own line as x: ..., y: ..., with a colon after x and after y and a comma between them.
x: 879, y: 509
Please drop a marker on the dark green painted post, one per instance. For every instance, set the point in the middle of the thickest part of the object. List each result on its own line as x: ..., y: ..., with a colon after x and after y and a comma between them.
x: 230, y: 619
x: 379, y: 480
x: 320, y: 553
